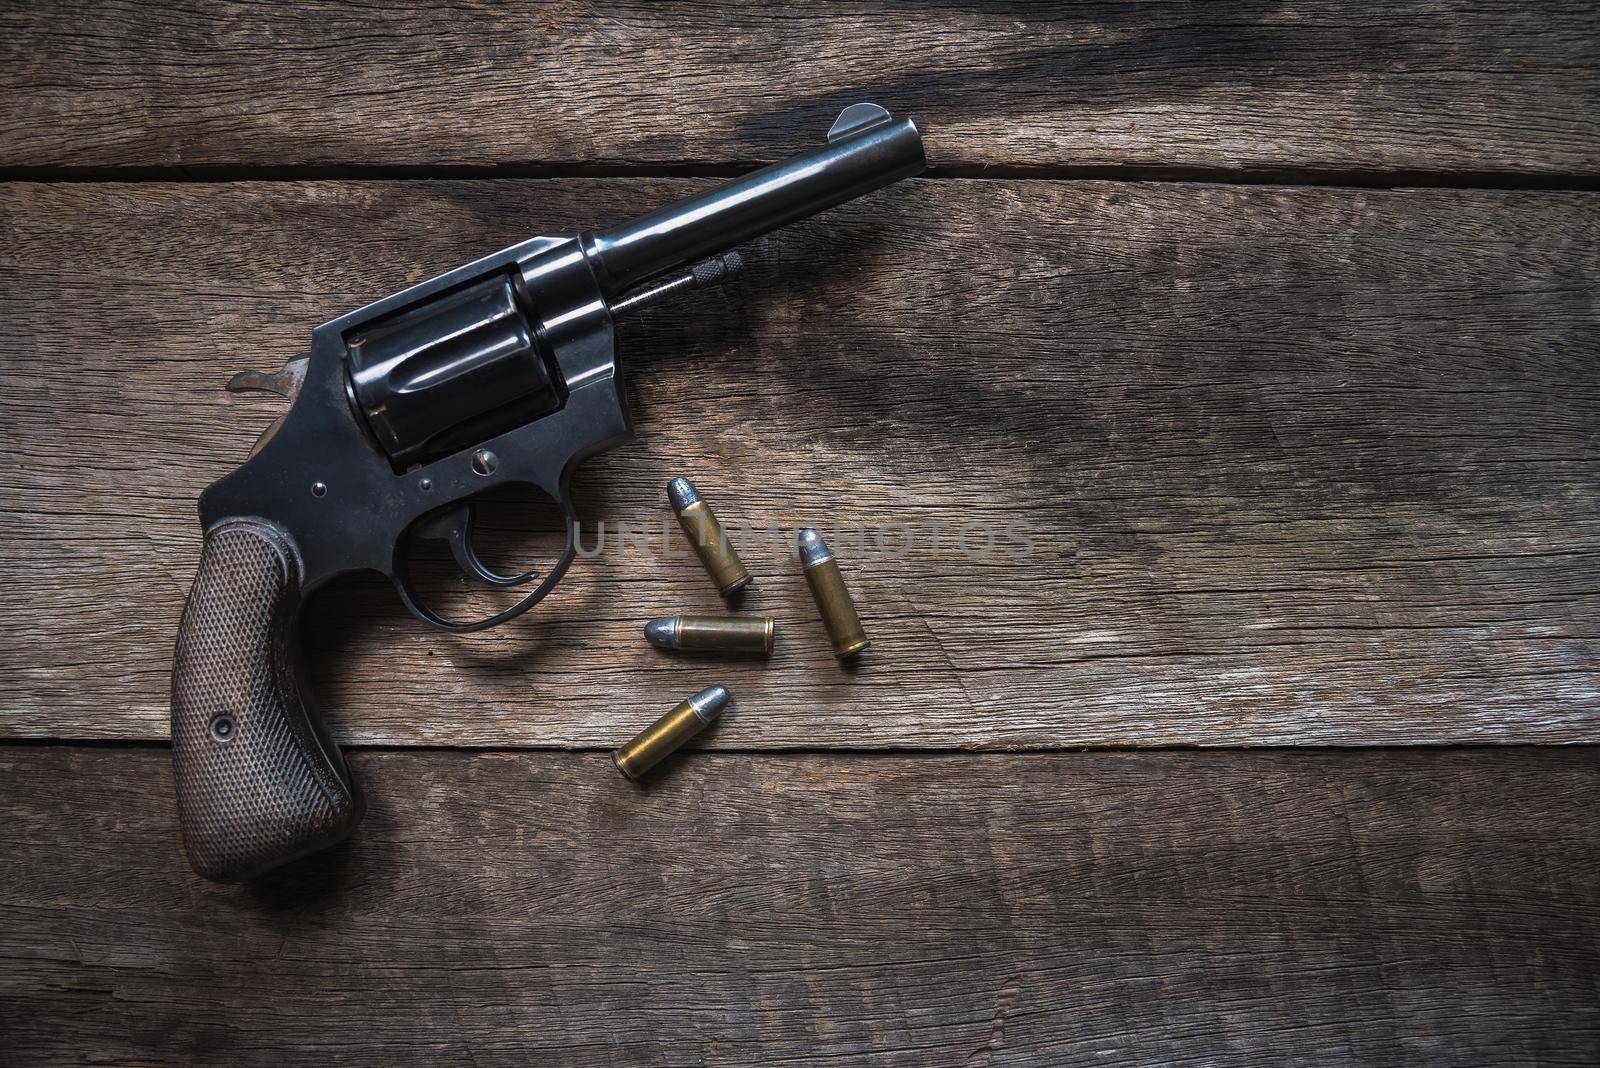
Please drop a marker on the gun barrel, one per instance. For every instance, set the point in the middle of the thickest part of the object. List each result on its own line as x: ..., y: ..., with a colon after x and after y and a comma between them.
x: 871, y: 152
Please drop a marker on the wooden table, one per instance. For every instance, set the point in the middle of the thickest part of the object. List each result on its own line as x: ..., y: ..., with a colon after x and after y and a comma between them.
x: 1267, y: 332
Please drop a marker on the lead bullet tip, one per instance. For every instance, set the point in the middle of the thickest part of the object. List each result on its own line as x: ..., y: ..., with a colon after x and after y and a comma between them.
x: 681, y: 492
x: 813, y: 550
x: 709, y: 702
x: 662, y: 633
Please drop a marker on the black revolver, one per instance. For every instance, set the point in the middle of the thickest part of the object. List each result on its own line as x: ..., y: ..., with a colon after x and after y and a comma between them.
x: 501, y: 371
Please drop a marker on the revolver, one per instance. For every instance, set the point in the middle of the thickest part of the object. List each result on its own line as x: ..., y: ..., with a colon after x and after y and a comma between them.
x: 401, y: 416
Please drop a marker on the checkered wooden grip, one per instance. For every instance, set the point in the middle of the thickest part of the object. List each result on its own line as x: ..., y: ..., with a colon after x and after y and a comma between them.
x: 258, y: 782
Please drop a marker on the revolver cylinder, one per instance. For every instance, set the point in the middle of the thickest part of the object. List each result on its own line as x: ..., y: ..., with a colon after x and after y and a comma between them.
x: 451, y: 370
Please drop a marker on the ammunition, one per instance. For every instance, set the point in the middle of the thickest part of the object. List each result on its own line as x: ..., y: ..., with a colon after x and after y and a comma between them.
x: 700, y: 523
x: 663, y: 737
x: 832, y: 597
x: 712, y: 634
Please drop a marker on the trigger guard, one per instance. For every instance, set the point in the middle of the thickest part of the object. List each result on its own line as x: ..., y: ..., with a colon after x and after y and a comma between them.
x: 402, y: 584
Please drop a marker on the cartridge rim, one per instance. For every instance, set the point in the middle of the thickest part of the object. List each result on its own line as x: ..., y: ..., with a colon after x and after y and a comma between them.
x: 852, y: 648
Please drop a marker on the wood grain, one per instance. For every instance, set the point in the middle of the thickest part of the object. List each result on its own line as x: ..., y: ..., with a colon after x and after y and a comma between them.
x: 1399, y: 907
x: 1486, y: 88
x: 1265, y: 465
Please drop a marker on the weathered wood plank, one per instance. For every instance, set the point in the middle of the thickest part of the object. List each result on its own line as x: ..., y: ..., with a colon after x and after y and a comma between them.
x: 1422, y: 86
x: 1267, y: 465
x: 1403, y: 907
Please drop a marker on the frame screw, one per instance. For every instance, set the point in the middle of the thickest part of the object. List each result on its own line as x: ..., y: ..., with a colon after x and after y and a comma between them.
x: 484, y: 462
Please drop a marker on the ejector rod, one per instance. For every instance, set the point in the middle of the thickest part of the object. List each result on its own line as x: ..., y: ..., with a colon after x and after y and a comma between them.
x: 867, y: 149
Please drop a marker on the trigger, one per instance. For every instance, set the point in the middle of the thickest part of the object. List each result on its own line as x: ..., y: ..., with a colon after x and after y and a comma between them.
x: 455, y: 529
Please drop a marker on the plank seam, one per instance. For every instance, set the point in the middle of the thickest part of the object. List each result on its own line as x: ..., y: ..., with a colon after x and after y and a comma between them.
x: 1311, y: 177
x: 884, y: 752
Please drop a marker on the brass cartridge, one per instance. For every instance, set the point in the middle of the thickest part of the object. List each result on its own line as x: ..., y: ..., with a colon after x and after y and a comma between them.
x: 699, y: 522
x: 749, y: 635
x: 663, y: 737
x: 832, y: 596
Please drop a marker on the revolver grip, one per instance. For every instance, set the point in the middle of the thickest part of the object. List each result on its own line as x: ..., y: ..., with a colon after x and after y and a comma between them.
x: 259, y: 783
